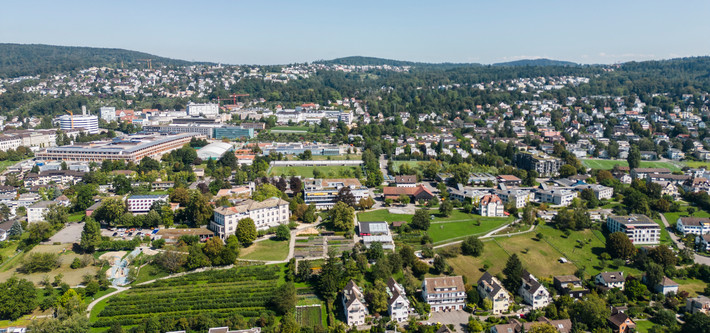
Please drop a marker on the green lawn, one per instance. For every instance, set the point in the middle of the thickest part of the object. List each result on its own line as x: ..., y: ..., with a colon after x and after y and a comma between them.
x: 296, y: 129
x: 383, y: 215
x: 88, y: 300
x: 7, y: 163
x: 307, y: 171
x: 440, y: 232
x: 697, y: 164
x: 642, y: 326
x: 76, y: 217
x: 411, y: 164
x: 673, y: 216
x: 692, y: 286
x: 267, y: 250
x: 609, y: 164
x: 149, y: 272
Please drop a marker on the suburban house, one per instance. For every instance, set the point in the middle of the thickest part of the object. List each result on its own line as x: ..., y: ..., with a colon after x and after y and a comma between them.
x: 703, y: 241
x: 376, y: 232
x: 639, y: 228
x: 620, y: 322
x: 515, y: 326
x: 419, y: 192
x: 35, y: 213
x: 698, y: 304
x: 265, y: 214
x: 489, y: 287
x: 667, y: 286
x: 354, y: 304
x: 444, y: 293
x: 693, y: 225
x: 406, y: 181
x: 491, y: 205
x: 570, y: 285
x: 611, y: 280
x: 397, y: 304
x: 533, y: 292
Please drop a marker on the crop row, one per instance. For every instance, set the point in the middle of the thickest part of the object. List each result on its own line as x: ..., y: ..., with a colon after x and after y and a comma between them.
x: 111, y: 311
x: 128, y: 303
x: 137, y: 319
x: 309, y: 316
x: 258, y: 273
x: 151, y: 296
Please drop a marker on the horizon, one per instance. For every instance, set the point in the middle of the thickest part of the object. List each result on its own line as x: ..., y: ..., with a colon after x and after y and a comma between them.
x: 281, y: 32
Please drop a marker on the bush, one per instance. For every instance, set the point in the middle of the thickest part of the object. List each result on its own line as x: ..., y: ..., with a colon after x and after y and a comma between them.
x: 76, y: 264
x: 39, y: 262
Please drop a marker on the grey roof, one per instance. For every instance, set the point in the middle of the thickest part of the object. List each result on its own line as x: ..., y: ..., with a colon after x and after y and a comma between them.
x: 610, y: 277
x: 376, y: 227
x: 43, y: 204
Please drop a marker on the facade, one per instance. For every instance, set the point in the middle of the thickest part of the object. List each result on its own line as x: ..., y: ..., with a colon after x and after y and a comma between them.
x: 544, y: 165
x: 35, y: 213
x: 491, y: 205
x: 397, y: 304
x: 444, y: 293
x: 406, y: 181
x: 354, y: 305
x: 214, y: 150
x: 64, y: 177
x: 108, y: 113
x: 489, y: 287
x: 570, y: 285
x: 698, y: 304
x: 419, y: 192
x: 206, y: 109
x: 130, y: 148
x: 533, y: 292
x: 89, y: 123
x: 516, y: 326
x: 299, y: 148
x: 509, y: 180
x: 611, y: 280
x: 642, y: 173
x: 559, y: 197
x: 600, y: 192
x: 232, y: 133
x: 518, y: 196
x: 265, y: 214
x: 9, y: 142
x: 703, y: 242
x: 666, y: 286
x: 376, y: 232
x: 323, y: 192
x: 142, y: 203
x: 693, y: 225
x: 639, y: 228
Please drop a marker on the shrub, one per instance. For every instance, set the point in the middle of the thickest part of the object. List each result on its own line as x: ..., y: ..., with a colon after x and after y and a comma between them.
x: 39, y: 262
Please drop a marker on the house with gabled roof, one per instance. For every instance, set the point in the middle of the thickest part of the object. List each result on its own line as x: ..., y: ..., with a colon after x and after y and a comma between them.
x: 491, y: 288
x: 444, y: 293
x: 354, y: 304
x: 397, y: 305
x: 533, y: 292
x: 611, y: 280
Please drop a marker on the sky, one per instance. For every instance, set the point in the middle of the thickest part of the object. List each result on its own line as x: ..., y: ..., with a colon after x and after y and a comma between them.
x: 283, y: 32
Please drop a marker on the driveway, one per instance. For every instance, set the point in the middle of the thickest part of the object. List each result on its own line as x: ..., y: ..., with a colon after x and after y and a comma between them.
x: 69, y: 235
x: 458, y: 318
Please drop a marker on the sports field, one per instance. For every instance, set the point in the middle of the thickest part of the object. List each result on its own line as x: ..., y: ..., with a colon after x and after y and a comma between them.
x: 609, y: 164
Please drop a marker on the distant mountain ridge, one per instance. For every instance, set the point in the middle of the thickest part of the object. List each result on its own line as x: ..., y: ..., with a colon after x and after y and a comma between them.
x: 32, y: 59
x: 374, y: 61
x: 536, y: 62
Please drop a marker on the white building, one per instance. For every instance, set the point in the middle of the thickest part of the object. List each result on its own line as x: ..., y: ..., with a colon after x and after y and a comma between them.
x: 639, y: 228
x: 9, y: 142
x: 35, y: 213
x: 265, y: 214
x: 693, y: 225
x: 559, y: 197
x: 518, y: 196
x: 206, y: 109
x: 397, y: 304
x: 444, y: 293
x: 491, y: 205
x: 142, y: 203
x: 533, y: 292
x: 354, y: 305
x: 323, y: 192
x: 611, y: 279
x: 600, y: 192
x: 490, y: 287
x: 108, y: 113
x: 89, y: 123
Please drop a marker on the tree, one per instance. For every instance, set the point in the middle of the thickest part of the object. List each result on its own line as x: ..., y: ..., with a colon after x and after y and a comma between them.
x: 16, y: 230
x: 366, y: 203
x: 696, y: 323
x: 592, y: 311
x: 57, y: 216
x: 289, y: 324
x: 513, y: 273
x: 377, y: 296
x: 342, y: 216
x: 421, y: 219
x: 634, y: 290
x: 567, y: 171
x: 110, y: 211
x: 541, y: 328
x: 91, y: 235
x: 180, y: 195
x: 446, y: 208
x: 346, y: 196
x: 472, y: 246
x: 198, y: 211
x: 121, y: 185
x: 283, y: 233
x: 404, y: 199
x: 229, y: 160
x: 620, y: 246
x: 295, y: 184
x: 84, y: 196
x: 281, y: 184
x: 284, y: 298
x: 266, y: 191
x: 440, y: 264
x: 309, y: 216
x: 634, y: 158
x: 654, y: 275
x: 17, y: 298
x: 170, y: 261
x: 375, y: 252
x: 213, y: 249
x: 196, y: 258
x: 246, y: 231
x: 663, y: 256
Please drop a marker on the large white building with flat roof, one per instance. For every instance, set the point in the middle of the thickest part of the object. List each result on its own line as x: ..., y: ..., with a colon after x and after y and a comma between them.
x: 265, y: 214
x: 89, y: 123
x: 639, y: 228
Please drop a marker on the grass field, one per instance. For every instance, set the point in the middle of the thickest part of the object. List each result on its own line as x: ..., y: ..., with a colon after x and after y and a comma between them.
x: 267, y: 250
x: 76, y: 217
x: 692, y: 286
x: 697, y: 164
x: 309, y: 316
x: 7, y: 163
x: 642, y: 326
x: 411, y: 164
x: 472, y: 267
x: 353, y: 157
x: 71, y: 276
x: 441, y: 232
x: 286, y: 129
x: 307, y: 171
x: 609, y: 164
x: 672, y: 217
x: 149, y: 272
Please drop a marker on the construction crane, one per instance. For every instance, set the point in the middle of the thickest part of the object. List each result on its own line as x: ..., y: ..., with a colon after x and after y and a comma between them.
x: 149, y: 62
x: 71, y: 118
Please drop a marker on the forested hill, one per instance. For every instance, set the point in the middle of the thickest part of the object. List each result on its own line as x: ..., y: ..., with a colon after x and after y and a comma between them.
x: 32, y: 59
x: 372, y: 61
x: 536, y: 62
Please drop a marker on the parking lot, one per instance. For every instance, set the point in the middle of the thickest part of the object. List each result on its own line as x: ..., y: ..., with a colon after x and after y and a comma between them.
x: 458, y: 318
x: 125, y: 233
x: 70, y: 234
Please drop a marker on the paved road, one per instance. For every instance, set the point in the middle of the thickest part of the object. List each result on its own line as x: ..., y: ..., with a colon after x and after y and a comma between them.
x: 492, y: 234
x: 96, y: 301
x: 698, y: 259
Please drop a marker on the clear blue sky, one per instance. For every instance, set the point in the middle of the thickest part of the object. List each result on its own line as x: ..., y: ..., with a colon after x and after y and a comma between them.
x: 278, y: 32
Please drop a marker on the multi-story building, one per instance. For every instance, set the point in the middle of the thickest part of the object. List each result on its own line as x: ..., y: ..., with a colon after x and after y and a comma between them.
x: 560, y: 197
x: 232, y: 133
x: 9, y: 142
x: 354, y: 305
x: 642, y: 173
x: 611, y: 280
x: 444, y: 293
x: 490, y: 287
x: 271, y: 212
x: 397, y: 305
x: 108, y: 113
x: 570, y: 285
x: 35, y: 213
x: 544, y: 165
x: 516, y: 326
x: 693, y: 225
x: 205, y: 109
x: 406, y: 181
x: 491, y: 205
x: 142, y: 203
x: 519, y: 196
x: 323, y: 192
x: 533, y: 292
x: 89, y: 123
x: 601, y: 192
x: 130, y: 148
x: 639, y: 228
x: 64, y: 177
x: 697, y: 304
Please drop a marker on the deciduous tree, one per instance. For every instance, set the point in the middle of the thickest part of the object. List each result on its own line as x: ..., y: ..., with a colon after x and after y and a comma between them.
x: 246, y: 231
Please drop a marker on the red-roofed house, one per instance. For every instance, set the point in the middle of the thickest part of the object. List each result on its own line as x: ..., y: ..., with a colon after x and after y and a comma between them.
x: 418, y: 192
x: 491, y: 205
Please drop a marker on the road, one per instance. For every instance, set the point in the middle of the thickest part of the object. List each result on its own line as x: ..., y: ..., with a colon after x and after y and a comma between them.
x: 698, y: 259
x: 492, y: 234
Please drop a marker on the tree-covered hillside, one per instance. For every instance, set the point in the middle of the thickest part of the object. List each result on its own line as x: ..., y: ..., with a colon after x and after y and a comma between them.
x: 32, y: 59
x: 536, y: 62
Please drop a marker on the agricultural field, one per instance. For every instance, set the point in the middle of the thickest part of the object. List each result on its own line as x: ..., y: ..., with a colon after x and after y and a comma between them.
x: 609, y: 164
x: 243, y: 291
x: 266, y: 250
x: 309, y: 315
x: 66, y: 256
x: 307, y: 171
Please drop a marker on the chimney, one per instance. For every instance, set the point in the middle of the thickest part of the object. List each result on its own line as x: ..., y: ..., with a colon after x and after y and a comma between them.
x: 83, y: 110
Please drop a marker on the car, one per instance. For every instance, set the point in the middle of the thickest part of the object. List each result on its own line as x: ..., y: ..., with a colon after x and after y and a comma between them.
x: 114, y: 234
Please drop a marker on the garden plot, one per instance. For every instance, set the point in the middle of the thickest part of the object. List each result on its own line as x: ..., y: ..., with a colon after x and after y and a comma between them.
x: 340, y: 244
x: 309, y: 247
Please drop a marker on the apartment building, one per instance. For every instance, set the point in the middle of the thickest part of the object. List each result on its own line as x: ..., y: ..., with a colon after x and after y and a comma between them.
x: 545, y: 166
x: 533, y: 292
x: 491, y: 205
x: 491, y: 288
x: 693, y: 225
x: 559, y: 197
x: 397, y: 304
x: 354, y: 304
x: 639, y: 228
x: 142, y: 203
x: 265, y: 214
x: 444, y: 293
x: 323, y: 192
x: 35, y: 213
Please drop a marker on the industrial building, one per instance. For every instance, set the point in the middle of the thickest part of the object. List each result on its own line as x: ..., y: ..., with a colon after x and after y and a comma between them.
x: 214, y: 150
